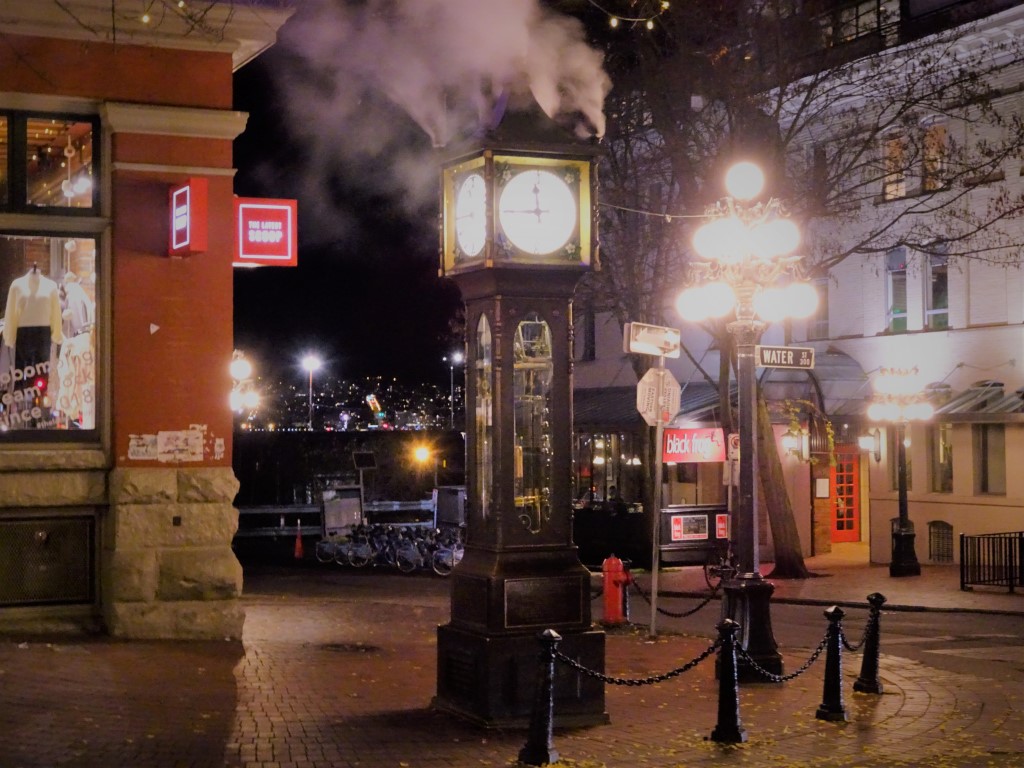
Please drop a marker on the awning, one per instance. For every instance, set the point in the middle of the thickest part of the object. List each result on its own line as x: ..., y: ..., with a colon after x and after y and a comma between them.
x: 984, y: 402
x: 614, y: 408
x: 837, y: 384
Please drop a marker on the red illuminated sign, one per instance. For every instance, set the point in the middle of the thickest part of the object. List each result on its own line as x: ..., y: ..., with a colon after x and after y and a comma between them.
x: 721, y: 526
x: 684, y: 446
x: 265, y: 232
x: 188, y: 211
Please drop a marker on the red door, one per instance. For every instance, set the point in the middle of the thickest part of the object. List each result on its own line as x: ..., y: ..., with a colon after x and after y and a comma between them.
x: 846, y: 495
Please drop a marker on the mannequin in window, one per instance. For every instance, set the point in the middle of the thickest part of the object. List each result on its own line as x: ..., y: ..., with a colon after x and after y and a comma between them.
x: 79, y: 312
x: 32, y: 323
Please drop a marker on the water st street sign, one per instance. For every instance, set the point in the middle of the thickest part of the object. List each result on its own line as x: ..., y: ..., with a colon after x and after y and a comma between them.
x: 784, y: 357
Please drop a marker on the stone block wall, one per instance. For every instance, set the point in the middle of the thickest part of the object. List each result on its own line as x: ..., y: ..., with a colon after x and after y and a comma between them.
x: 167, y: 567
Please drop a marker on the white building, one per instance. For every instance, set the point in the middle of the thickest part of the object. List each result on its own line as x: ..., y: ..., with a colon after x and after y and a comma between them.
x: 958, y: 319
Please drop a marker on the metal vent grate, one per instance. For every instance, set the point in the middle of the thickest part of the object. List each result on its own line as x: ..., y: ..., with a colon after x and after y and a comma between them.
x: 47, y: 560
x: 940, y: 542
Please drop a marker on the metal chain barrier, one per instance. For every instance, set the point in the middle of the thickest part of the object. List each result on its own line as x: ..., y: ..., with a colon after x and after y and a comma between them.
x: 771, y: 676
x: 642, y: 680
x: 673, y: 614
x: 853, y: 647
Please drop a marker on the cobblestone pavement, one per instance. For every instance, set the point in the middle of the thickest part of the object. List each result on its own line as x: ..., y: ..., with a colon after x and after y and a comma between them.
x: 331, y: 676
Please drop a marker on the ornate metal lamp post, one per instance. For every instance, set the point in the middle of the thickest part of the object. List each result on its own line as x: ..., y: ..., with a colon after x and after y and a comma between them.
x: 899, y: 400
x: 517, y: 235
x: 750, y: 269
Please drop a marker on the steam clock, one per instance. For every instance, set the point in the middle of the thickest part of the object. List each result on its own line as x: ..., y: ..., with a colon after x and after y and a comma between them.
x: 517, y: 234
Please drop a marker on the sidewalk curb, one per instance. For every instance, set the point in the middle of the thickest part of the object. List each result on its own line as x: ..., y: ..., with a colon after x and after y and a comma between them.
x: 854, y: 604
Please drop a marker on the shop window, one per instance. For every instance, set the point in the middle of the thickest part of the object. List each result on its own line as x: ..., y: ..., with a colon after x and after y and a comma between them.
x: 936, y: 287
x: 48, y: 277
x: 894, y: 163
x: 940, y: 437
x: 48, y: 356
x: 50, y: 163
x: 990, y: 459
x: 896, y: 290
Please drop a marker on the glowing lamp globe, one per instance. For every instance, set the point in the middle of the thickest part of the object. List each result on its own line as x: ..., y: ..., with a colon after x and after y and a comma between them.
x: 240, y: 369
x: 744, y: 181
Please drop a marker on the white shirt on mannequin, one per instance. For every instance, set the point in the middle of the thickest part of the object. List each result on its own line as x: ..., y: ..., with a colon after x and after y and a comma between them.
x: 32, y: 300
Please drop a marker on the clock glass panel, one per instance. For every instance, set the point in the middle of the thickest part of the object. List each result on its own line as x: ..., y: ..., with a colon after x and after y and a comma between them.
x: 470, y: 215
x: 537, y: 212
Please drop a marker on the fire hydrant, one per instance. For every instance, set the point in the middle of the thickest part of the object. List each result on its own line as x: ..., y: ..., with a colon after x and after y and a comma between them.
x: 616, y: 577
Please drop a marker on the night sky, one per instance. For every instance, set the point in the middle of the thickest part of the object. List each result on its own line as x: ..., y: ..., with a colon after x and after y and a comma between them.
x: 366, y: 295
x: 349, y: 114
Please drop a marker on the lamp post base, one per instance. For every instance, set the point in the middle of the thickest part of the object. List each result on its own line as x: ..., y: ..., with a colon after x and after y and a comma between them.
x: 747, y: 601
x: 904, y: 557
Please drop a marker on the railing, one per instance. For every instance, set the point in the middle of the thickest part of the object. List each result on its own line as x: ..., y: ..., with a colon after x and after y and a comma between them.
x: 992, y: 560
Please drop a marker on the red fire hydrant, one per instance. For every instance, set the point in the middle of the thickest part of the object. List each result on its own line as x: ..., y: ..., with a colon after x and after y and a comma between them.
x: 616, y: 577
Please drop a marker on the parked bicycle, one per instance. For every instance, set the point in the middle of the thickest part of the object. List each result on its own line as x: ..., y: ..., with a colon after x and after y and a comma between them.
x: 448, y: 553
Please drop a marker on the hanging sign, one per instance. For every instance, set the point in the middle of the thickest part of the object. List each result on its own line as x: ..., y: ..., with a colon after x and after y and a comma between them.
x: 686, y: 446
x: 188, y: 218
x: 265, y: 232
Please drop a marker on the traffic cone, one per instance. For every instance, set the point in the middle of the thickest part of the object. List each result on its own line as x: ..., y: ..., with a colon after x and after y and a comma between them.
x: 299, y: 554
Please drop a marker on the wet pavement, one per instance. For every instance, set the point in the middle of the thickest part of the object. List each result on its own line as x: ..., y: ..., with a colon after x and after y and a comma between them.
x: 337, y: 668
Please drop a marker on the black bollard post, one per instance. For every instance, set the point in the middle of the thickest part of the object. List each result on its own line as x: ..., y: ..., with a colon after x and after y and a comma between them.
x: 868, y: 681
x: 728, y: 729
x: 539, y: 749
x: 831, y: 707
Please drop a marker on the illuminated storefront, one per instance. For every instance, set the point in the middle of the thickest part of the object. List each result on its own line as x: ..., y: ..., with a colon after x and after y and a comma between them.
x: 116, y: 487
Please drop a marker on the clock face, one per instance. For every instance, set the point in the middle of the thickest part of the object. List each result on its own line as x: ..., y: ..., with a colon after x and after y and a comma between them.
x: 537, y: 212
x: 470, y: 214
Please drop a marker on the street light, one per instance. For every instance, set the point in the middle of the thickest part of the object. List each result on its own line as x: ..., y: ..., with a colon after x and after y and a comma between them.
x: 899, y: 400
x: 311, y: 363
x: 750, y: 269
x: 243, y: 395
x: 423, y: 454
x: 455, y: 358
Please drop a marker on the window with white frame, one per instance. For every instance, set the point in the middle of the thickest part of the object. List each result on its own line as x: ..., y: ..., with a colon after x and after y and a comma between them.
x: 48, y: 275
x: 896, y: 290
x: 894, y: 163
x: 936, y: 289
x: 990, y: 459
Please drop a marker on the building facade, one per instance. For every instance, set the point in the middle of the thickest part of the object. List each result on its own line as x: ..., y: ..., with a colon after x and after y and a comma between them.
x: 955, y: 318
x: 116, y: 487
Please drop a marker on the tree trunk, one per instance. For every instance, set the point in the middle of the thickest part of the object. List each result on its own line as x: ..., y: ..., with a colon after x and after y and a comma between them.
x: 789, y: 558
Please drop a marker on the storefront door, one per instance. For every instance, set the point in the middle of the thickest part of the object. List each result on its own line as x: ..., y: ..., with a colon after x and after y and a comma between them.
x: 846, y: 495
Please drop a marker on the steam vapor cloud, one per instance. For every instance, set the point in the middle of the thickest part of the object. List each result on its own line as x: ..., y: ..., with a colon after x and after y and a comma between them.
x: 360, y: 70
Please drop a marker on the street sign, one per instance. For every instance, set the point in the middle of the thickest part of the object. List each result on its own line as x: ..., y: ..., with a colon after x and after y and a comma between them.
x: 784, y: 357
x: 651, y: 408
x: 643, y: 339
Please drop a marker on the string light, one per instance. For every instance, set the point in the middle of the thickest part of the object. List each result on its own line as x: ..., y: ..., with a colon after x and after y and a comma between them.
x: 655, y: 9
